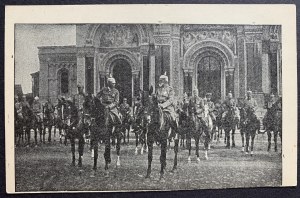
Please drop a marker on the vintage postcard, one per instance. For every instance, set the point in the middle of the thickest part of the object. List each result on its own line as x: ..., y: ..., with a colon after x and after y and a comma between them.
x: 150, y: 97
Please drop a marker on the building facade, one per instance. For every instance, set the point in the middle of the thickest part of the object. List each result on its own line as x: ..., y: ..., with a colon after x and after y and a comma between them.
x: 213, y: 58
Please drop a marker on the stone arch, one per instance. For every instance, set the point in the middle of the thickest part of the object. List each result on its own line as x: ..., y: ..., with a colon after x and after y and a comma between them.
x: 192, y: 55
x: 209, y: 48
x: 110, y: 57
x: 92, y: 30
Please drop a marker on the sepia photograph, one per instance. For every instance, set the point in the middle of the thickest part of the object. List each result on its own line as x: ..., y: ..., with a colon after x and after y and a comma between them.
x: 141, y: 106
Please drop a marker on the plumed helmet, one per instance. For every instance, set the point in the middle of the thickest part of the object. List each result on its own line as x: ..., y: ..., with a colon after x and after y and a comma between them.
x: 111, y: 79
x: 208, y: 94
x: 165, y: 77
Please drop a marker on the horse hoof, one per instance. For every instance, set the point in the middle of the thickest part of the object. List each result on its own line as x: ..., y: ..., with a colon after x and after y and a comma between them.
x: 174, y: 170
x: 73, y: 164
x: 189, y: 160
x: 206, y: 157
x: 247, y: 152
x: 243, y: 149
x: 147, y: 176
x: 136, y: 151
x: 118, y: 161
x: 162, y: 178
x: 198, y: 159
x: 106, y: 174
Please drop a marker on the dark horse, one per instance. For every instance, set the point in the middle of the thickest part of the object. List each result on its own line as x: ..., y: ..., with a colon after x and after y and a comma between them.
x: 19, y: 132
x: 229, y: 123
x: 249, y: 125
x: 273, y: 122
x: 102, y: 128
x: 31, y: 121
x: 48, y: 119
x: 158, y: 131
x: 78, y: 125
x: 127, y: 122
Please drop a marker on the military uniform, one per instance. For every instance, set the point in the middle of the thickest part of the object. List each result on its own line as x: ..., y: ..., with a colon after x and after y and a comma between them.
x: 79, y: 101
x: 18, y: 106
x: 37, y: 110
x: 165, y: 96
x: 250, y: 103
x: 211, y: 108
x: 110, y: 99
x: 196, y: 106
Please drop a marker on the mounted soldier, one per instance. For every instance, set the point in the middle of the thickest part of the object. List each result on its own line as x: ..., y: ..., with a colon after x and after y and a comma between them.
x: 211, y: 105
x: 18, y: 106
x: 197, y: 105
x: 79, y: 100
x: 37, y: 109
x: 165, y: 97
x: 125, y: 111
x: 250, y: 102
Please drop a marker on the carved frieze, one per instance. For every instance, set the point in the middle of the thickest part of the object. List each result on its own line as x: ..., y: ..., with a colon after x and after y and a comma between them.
x: 119, y: 36
x: 160, y: 40
x: 225, y: 36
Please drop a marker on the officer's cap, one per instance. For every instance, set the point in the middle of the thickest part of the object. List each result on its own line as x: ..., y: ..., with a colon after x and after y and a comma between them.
x: 111, y: 79
x: 164, y: 76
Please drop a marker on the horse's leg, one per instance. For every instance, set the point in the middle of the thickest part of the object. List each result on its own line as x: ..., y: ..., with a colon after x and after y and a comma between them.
x: 247, y: 141
x: 49, y: 131
x: 189, y: 146
x: 243, y: 140
x: 206, y: 144
x: 163, y: 156
x: 72, y: 140
x: 150, y: 154
x: 118, y: 147
x: 197, y: 139
x: 95, y: 148
x: 35, y: 136
x: 128, y: 130
x: 232, y: 136
x: 269, y: 139
x: 107, y: 148
x: 275, y: 139
x: 227, y: 137
x: 252, y: 141
x: 136, y: 143
x: 80, y: 150
x: 176, y: 144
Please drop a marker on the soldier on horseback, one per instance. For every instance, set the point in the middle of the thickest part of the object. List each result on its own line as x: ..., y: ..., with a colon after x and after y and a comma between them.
x: 165, y: 97
x: 197, y: 105
x: 229, y: 103
x: 125, y: 111
x: 18, y: 106
x: 250, y: 102
x: 211, y: 105
x: 37, y: 109
x: 109, y: 98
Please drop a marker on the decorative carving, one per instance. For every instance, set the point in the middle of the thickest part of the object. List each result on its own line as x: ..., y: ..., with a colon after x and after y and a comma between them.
x: 252, y: 37
x: 225, y: 36
x: 93, y: 29
x: 162, y: 40
x: 175, y: 65
x: 119, y: 36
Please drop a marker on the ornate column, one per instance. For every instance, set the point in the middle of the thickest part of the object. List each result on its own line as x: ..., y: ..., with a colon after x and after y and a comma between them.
x: 188, y: 81
x: 241, y: 60
x: 175, y: 60
x: 81, y: 68
x: 135, y: 84
x: 229, y: 73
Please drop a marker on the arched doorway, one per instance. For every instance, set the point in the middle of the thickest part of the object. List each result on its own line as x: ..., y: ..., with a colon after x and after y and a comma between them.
x: 209, y: 77
x: 121, y: 71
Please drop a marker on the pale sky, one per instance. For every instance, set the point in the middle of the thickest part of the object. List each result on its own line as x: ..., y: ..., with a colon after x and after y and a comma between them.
x: 28, y: 38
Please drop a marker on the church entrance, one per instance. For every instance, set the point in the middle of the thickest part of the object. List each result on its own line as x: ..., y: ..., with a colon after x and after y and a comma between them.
x: 209, y: 77
x: 121, y: 71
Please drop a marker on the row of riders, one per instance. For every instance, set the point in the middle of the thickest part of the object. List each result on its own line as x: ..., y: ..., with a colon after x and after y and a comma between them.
x: 156, y: 119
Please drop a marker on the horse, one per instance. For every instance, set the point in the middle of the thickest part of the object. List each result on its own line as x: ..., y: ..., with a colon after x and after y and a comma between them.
x: 127, y: 122
x: 229, y: 123
x: 217, y: 123
x: 103, y: 126
x: 48, y: 120
x: 272, y: 121
x: 140, y: 127
x: 30, y: 121
x: 19, y: 132
x: 158, y: 128
x: 249, y: 125
x: 78, y: 125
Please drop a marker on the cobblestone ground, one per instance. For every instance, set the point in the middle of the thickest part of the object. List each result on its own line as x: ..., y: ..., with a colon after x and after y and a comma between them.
x: 48, y: 168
